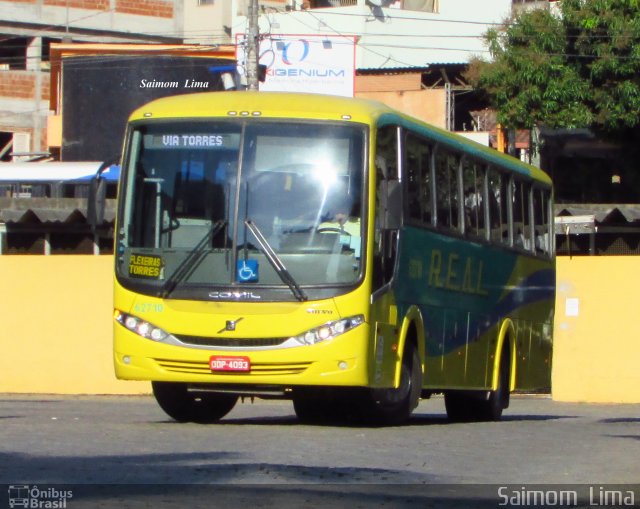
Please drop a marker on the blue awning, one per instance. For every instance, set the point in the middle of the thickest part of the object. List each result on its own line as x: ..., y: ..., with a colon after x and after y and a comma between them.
x: 56, y: 172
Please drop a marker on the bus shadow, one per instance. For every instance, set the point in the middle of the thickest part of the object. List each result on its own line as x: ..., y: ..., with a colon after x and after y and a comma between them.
x: 415, y: 420
x: 238, y: 421
x: 632, y: 437
x: 420, y: 420
x: 518, y: 418
x: 620, y: 420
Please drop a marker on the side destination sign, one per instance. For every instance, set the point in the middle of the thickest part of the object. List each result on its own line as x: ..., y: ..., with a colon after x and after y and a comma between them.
x: 146, y: 266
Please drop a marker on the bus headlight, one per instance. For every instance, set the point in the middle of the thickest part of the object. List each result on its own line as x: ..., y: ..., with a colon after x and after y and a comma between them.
x: 139, y: 326
x: 328, y: 330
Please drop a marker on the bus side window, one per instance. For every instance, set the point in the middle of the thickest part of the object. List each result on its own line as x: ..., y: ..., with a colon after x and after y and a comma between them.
x: 541, y: 224
x: 447, y: 189
x: 419, y: 180
x: 473, y: 178
x: 521, y: 220
x: 498, y: 217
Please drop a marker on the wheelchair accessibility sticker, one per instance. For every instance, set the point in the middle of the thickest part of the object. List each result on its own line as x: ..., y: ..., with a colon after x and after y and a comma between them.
x: 247, y: 271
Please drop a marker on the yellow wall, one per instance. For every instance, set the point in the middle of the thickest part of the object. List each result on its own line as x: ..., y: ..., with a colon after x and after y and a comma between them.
x: 597, y: 330
x: 56, y: 326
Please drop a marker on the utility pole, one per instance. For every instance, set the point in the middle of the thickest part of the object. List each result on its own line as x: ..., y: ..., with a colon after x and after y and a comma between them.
x: 253, y: 44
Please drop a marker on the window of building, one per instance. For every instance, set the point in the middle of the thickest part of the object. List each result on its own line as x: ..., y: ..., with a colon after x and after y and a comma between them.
x: 417, y: 5
x: 13, y: 53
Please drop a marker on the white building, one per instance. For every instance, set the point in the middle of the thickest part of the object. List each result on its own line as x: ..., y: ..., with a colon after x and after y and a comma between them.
x: 409, y: 53
x: 391, y: 34
x: 29, y: 27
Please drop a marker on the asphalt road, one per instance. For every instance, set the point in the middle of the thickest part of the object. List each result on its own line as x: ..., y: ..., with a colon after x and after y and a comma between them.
x: 124, y: 452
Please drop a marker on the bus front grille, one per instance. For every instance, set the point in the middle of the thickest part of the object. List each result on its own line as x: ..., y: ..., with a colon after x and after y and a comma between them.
x: 257, y: 369
x: 229, y: 342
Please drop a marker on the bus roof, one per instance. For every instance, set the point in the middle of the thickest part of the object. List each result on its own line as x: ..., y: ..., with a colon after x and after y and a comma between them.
x: 320, y: 107
x: 268, y: 104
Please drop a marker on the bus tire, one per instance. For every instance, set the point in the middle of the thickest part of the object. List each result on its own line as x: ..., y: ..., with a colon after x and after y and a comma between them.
x: 491, y: 408
x: 185, y: 406
x: 394, y: 406
x: 474, y: 406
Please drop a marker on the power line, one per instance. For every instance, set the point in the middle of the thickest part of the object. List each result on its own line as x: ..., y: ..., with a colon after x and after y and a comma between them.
x: 100, y: 60
x: 388, y: 57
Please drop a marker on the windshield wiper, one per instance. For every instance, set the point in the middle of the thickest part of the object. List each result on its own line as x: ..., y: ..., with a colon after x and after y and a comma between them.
x: 276, y: 262
x: 192, y: 260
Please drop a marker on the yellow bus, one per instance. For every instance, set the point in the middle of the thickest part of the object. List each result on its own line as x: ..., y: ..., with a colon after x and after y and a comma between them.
x: 330, y: 251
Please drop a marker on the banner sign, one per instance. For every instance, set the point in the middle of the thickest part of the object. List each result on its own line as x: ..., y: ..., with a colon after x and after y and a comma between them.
x: 319, y: 64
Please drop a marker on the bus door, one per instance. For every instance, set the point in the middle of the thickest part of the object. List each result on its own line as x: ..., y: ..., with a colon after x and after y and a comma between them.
x: 384, y: 313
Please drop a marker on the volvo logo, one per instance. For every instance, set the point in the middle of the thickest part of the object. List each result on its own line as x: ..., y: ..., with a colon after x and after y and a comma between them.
x: 234, y: 296
x: 230, y: 325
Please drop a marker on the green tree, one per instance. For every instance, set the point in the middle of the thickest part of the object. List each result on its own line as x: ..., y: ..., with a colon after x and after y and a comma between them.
x: 577, y: 68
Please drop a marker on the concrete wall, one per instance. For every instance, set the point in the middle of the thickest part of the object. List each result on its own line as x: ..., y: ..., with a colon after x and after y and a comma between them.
x: 56, y: 325
x: 597, y: 330
x: 427, y: 105
x: 404, y: 92
x: 150, y: 16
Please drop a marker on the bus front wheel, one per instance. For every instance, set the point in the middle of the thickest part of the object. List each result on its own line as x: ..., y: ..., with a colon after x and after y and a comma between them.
x: 394, y: 406
x: 183, y: 405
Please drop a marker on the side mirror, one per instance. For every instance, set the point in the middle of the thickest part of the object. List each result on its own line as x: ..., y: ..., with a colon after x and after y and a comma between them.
x: 96, y: 201
x: 390, y: 204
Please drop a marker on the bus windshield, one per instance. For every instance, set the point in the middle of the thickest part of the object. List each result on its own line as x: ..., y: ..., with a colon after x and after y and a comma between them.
x: 242, y: 205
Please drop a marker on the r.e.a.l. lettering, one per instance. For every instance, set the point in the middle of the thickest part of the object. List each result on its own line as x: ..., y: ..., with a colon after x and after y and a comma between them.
x: 450, y: 271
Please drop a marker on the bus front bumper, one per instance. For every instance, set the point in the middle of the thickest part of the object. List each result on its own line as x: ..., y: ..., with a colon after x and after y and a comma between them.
x: 340, y: 361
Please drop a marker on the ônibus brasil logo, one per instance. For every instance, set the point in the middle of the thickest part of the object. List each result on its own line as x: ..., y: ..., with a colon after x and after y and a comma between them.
x: 22, y: 495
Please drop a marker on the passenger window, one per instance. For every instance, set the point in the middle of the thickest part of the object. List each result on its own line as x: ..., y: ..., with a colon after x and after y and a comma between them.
x: 498, y: 217
x: 419, y: 180
x: 541, y: 223
x: 387, y: 153
x: 447, y: 189
x: 473, y: 179
x: 522, y: 236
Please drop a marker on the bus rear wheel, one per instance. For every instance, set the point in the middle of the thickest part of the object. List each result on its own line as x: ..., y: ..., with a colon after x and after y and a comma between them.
x: 492, y: 407
x: 471, y: 406
x: 183, y: 405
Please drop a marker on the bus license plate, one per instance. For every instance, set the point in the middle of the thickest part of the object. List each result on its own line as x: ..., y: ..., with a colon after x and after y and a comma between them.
x: 221, y: 363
